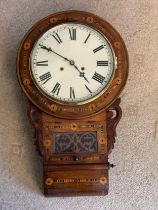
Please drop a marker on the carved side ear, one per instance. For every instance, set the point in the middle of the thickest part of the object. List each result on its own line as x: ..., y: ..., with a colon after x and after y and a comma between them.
x: 114, y: 114
x: 33, y: 114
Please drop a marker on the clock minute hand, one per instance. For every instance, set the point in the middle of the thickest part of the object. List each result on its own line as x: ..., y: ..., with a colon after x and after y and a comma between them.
x: 50, y: 50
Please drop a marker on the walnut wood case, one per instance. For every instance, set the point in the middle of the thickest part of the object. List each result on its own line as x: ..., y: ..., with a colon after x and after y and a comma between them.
x: 74, y: 141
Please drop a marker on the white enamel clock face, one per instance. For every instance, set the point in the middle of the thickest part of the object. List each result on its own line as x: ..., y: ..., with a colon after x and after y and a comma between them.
x: 72, y: 63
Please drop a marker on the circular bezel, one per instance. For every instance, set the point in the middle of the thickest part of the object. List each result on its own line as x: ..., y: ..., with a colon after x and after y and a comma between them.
x: 70, y: 103
x: 72, y: 111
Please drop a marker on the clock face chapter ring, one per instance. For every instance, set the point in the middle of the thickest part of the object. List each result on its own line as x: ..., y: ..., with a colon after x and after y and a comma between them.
x: 57, y: 78
x: 72, y: 64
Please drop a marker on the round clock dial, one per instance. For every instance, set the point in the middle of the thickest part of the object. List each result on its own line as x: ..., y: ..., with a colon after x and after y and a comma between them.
x: 72, y: 63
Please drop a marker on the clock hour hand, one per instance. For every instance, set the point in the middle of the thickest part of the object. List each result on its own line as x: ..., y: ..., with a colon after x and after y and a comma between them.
x: 82, y: 74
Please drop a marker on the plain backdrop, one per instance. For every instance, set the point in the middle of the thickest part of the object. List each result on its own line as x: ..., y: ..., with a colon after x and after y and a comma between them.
x: 134, y: 180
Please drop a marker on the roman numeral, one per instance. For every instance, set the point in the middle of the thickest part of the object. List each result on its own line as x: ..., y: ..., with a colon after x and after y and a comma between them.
x: 98, y: 77
x: 42, y: 63
x: 87, y: 38
x: 57, y: 38
x: 88, y: 89
x: 56, y: 88
x: 98, y: 48
x: 102, y: 63
x: 45, y: 77
x: 72, y: 93
x: 72, y: 33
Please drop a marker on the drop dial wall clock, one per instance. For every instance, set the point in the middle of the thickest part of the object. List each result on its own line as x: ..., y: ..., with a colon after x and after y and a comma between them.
x: 72, y: 67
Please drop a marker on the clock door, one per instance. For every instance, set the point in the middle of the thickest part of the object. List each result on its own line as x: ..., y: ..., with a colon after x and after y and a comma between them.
x: 75, y: 141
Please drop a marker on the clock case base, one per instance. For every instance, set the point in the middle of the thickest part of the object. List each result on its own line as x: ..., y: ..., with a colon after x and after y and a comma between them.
x: 75, y: 152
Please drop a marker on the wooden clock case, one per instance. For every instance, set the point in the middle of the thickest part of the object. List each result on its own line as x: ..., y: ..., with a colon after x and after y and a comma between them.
x: 74, y: 141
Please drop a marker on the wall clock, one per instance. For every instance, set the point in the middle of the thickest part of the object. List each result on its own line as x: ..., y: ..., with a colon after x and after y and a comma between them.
x: 72, y: 66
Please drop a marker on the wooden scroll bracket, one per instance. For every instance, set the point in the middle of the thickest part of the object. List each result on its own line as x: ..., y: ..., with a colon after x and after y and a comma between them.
x: 114, y: 114
x: 33, y: 115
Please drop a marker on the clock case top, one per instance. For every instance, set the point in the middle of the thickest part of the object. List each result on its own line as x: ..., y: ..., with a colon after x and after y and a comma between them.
x: 72, y: 111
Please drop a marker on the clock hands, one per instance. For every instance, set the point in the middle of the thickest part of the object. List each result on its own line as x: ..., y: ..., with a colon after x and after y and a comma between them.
x: 82, y: 74
x: 50, y: 50
x: 71, y: 62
